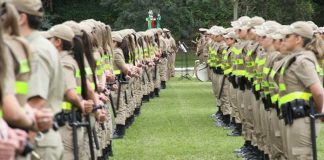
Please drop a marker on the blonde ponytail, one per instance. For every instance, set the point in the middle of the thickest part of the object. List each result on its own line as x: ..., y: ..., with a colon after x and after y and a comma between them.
x: 316, y: 45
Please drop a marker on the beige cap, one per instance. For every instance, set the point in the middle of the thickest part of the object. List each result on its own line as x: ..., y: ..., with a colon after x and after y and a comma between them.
x: 202, y: 29
x: 85, y: 27
x: 231, y: 35
x: 277, y: 36
x: 166, y: 30
x: 259, y: 30
x: 228, y: 30
x: 242, y: 23
x: 300, y: 28
x: 271, y: 27
x: 74, y: 26
x: 115, y: 36
x: 62, y: 31
x: 45, y: 34
x: 313, y: 25
x: 32, y: 7
x: 255, y: 21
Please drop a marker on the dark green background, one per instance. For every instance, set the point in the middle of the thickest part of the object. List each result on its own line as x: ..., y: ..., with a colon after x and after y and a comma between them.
x: 182, y: 17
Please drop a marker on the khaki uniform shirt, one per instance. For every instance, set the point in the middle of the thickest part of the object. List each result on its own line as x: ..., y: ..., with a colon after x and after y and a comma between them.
x: 46, y: 80
x: 118, y: 59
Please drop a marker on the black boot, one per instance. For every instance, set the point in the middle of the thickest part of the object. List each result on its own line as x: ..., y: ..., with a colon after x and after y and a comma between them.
x: 226, y: 120
x: 145, y: 98
x: 131, y: 120
x: 163, y: 84
x: 137, y: 111
x: 237, y: 131
x: 157, y: 92
x: 219, y: 113
x: 109, y: 150
x: 231, y: 125
x: 128, y: 122
x: 152, y: 95
x: 119, y: 131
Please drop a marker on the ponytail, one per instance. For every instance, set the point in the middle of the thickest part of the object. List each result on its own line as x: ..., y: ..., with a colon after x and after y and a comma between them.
x: 78, y: 56
x: 3, y: 65
x: 315, y: 45
x: 88, y: 54
x: 10, y: 23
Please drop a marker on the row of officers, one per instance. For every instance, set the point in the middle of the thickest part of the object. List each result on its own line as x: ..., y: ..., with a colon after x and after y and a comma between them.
x: 67, y: 92
x: 267, y: 78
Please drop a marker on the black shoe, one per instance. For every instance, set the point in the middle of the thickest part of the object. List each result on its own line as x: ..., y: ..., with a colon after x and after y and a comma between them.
x: 119, y: 131
x: 110, y: 151
x: 163, y: 84
x: 145, y: 99
x: 137, y: 111
x: 157, y: 92
x: 131, y: 120
x: 152, y: 95
x: 234, y: 133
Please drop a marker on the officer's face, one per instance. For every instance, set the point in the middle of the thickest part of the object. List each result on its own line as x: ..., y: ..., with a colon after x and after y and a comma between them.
x: 251, y: 34
x: 267, y: 42
x: 277, y: 44
x: 243, y: 34
x: 229, y: 41
x: 291, y: 41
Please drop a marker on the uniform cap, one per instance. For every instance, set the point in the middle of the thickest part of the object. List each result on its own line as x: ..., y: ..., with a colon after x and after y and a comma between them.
x: 166, y: 30
x: 62, y: 31
x: 231, y: 35
x: 300, y: 28
x: 74, y: 26
x: 313, y: 25
x: 203, y: 29
x: 115, y: 36
x: 255, y: 21
x: 32, y: 7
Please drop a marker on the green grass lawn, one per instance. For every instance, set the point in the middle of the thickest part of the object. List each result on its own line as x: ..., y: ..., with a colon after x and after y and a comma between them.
x: 177, y: 126
x: 180, y: 59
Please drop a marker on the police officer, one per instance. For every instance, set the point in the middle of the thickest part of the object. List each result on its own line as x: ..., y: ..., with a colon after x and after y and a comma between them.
x: 47, y: 90
x: 299, y: 80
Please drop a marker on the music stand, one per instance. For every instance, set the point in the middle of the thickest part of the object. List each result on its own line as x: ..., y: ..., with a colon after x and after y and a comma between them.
x: 184, y: 48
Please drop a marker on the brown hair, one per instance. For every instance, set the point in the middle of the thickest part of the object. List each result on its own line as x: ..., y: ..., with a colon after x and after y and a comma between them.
x: 3, y: 65
x: 315, y: 45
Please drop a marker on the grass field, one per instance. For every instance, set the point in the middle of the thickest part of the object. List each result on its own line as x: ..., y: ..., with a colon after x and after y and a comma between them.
x: 177, y: 126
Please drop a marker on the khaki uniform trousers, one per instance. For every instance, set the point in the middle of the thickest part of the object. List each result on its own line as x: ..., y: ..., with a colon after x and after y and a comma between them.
x: 51, y: 147
x: 248, y: 99
x: 144, y: 82
x: 240, y: 105
x: 157, y: 76
x: 216, y: 87
x: 299, y: 139
x: 234, y: 105
x: 121, y: 112
x: 256, y: 136
x: 151, y: 82
x: 225, y: 97
x: 138, y: 92
x: 68, y: 141
x: 164, y: 69
x: 276, y: 139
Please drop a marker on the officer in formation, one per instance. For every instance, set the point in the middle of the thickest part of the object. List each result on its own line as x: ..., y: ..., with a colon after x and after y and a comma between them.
x: 62, y: 91
x: 266, y: 78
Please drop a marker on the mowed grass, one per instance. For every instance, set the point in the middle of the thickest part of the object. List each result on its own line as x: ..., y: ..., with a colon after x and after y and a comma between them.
x: 178, y: 126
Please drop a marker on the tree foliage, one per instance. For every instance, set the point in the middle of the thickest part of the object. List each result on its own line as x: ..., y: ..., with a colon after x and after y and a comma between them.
x: 183, y: 17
